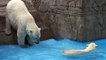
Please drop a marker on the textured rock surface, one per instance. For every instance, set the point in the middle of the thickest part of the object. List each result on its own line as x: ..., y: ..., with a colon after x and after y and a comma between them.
x: 81, y: 20
x: 76, y: 19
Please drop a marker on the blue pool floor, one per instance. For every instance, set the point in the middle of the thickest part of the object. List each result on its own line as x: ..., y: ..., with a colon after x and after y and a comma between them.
x: 52, y: 49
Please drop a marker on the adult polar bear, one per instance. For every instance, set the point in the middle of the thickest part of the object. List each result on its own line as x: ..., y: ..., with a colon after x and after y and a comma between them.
x: 19, y: 18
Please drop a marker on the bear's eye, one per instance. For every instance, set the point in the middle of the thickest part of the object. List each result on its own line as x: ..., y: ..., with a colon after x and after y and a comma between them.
x: 31, y: 31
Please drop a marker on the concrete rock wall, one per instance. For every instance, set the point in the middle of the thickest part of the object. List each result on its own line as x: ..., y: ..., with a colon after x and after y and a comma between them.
x: 82, y: 20
x: 76, y: 19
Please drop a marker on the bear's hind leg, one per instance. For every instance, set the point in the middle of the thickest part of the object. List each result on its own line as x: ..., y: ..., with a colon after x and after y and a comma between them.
x: 21, y: 39
x: 7, y: 26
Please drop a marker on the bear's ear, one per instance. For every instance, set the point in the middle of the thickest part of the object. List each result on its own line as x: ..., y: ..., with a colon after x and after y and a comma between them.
x: 39, y: 29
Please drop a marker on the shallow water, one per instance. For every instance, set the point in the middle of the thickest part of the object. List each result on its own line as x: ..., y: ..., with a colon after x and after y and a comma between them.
x: 52, y: 50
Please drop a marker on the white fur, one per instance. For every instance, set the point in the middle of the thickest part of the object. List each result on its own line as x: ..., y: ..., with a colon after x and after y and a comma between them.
x: 90, y: 47
x: 19, y: 18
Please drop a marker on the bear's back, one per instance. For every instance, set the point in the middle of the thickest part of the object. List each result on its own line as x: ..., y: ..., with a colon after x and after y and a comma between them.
x: 17, y: 12
x: 15, y: 6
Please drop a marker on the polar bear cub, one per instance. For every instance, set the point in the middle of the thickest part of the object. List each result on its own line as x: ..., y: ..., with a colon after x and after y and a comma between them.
x: 18, y: 17
x: 90, y: 47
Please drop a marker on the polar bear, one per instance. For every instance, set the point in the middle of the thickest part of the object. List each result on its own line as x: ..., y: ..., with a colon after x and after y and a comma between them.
x: 18, y: 17
x: 90, y: 47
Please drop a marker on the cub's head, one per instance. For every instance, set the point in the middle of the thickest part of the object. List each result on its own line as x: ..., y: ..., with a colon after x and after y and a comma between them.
x: 93, y: 45
x: 34, y: 34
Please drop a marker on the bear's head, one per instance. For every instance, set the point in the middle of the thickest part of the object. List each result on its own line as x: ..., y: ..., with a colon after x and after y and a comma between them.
x: 34, y: 34
x: 91, y: 47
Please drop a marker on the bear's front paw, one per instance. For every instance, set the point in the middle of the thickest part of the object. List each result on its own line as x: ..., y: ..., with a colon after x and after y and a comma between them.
x: 7, y: 32
x: 23, y: 46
